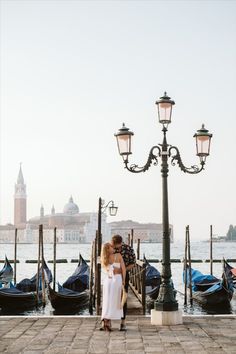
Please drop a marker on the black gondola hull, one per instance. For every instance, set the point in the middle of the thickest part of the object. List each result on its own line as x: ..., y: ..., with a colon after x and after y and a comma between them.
x: 61, y: 301
x: 10, y: 300
x: 219, y: 298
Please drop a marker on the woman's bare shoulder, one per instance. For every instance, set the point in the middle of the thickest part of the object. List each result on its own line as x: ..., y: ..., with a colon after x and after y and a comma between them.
x: 111, y: 258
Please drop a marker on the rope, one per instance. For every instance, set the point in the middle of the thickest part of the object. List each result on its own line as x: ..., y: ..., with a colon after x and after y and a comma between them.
x: 134, y: 275
x: 180, y: 292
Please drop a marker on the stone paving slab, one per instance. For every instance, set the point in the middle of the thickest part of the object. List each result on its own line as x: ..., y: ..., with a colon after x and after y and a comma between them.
x: 81, y: 335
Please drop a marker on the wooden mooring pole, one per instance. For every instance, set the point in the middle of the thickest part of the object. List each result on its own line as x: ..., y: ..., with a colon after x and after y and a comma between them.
x: 38, y: 267
x: 211, y: 253
x: 190, y: 268
x: 138, y: 248
x: 15, y: 256
x: 42, y: 267
x: 129, y: 239
x: 143, y: 278
x: 54, y: 257
x: 91, y: 280
x: 95, y: 268
x: 185, y: 269
x: 99, y: 247
x: 132, y: 238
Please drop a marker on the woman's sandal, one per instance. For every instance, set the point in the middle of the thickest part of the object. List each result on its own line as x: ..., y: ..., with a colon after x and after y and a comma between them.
x: 102, y: 328
x: 107, y: 325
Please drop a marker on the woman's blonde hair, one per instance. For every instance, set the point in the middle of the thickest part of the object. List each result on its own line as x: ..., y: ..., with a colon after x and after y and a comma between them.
x: 105, y: 254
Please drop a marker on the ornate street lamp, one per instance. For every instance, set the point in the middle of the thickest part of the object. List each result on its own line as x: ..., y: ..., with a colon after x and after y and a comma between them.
x: 203, y: 142
x: 124, y: 142
x: 166, y: 307
x: 112, y: 209
x: 164, y: 105
x: 102, y: 207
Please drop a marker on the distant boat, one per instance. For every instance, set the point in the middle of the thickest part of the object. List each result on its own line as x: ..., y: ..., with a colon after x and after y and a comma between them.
x: 6, y: 273
x: 211, y: 291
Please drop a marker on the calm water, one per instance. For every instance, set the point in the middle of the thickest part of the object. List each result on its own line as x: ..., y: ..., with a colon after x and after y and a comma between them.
x: 199, y: 250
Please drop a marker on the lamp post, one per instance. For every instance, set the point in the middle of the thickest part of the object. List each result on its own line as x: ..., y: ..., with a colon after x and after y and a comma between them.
x: 166, y: 307
x: 102, y: 207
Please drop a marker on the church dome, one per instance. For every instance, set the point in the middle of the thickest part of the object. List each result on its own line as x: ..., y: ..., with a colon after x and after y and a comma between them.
x: 71, y: 208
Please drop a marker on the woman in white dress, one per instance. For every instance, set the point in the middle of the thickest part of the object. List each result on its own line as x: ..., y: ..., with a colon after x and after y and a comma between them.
x: 114, y: 279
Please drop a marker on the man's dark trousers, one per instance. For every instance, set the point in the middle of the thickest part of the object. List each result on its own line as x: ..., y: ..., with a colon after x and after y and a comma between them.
x: 126, y: 289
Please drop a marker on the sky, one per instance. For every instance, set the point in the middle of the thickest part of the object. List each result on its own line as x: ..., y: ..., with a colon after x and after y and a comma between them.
x: 73, y: 71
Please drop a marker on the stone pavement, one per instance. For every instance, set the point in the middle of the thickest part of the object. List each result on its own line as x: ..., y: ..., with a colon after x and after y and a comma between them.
x: 80, y: 335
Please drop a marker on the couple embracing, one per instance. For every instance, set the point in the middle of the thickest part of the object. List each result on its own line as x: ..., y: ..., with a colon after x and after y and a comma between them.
x: 117, y: 259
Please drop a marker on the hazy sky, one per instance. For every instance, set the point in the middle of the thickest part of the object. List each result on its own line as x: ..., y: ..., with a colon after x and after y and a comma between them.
x: 73, y: 71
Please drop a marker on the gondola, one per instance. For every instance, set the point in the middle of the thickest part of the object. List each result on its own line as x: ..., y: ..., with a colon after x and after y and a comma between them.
x: 73, y: 293
x: 233, y: 272
x: 12, y: 298
x: 65, y: 299
x: 79, y: 280
x: 28, y: 285
x: 23, y: 298
x: 208, y: 290
x: 6, y: 273
x: 153, y: 281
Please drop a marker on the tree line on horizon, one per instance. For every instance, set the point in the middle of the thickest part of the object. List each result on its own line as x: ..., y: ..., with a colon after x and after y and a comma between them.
x: 231, y: 234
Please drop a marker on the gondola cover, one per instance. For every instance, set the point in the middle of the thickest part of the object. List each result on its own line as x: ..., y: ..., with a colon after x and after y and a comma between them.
x: 79, y: 280
x: 30, y: 284
x: 153, y: 281
x: 153, y: 276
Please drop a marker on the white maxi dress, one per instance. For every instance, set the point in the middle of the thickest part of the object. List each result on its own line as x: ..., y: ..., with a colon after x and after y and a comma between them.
x: 112, y: 288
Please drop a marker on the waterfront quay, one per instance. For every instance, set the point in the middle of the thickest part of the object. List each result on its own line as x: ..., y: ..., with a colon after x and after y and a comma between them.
x: 81, y: 335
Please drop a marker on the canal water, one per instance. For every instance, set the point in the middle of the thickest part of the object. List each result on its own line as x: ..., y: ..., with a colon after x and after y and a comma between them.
x: 199, y: 250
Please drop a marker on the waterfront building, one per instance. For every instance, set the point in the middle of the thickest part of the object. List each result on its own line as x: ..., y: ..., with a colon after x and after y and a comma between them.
x: 73, y: 226
x: 146, y: 232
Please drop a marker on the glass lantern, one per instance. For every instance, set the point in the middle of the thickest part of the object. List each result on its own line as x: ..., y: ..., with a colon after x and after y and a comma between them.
x: 124, y: 142
x: 113, y: 209
x: 203, y: 142
x: 164, y: 105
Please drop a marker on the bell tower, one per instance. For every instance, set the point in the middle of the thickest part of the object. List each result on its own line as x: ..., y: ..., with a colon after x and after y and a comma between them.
x: 20, y: 201
x: 42, y: 211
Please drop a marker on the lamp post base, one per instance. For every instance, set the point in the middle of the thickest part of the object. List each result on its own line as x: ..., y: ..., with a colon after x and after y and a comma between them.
x: 166, y: 318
